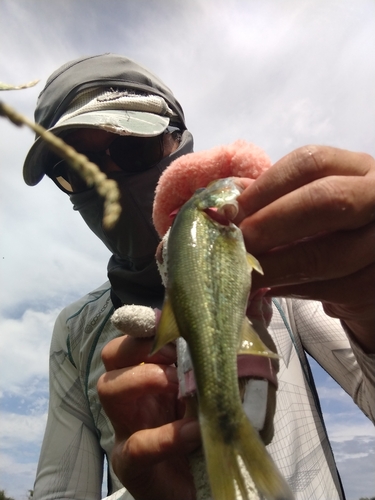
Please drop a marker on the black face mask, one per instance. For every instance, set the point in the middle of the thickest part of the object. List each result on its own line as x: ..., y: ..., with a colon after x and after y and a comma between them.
x: 132, y: 268
x: 133, y: 239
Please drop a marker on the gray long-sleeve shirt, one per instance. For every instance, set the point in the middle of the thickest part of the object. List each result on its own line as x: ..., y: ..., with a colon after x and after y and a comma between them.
x: 79, y: 434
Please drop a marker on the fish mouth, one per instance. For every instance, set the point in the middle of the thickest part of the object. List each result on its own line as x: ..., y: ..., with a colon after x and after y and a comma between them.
x: 212, y: 212
x: 215, y: 215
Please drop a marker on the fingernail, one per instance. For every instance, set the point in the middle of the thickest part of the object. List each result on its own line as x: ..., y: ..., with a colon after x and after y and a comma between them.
x: 190, y: 432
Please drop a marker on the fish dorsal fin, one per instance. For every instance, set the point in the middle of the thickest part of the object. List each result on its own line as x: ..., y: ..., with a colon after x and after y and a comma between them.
x: 251, y: 343
x: 167, y: 329
x: 254, y: 263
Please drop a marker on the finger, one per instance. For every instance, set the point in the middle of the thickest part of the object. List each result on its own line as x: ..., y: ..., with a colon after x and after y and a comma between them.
x: 130, y: 351
x: 351, y: 296
x: 129, y: 384
x: 151, y: 446
x: 328, y: 204
x: 327, y: 257
x: 350, y: 299
x: 298, y: 168
x: 243, y: 182
x: 147, y: 458
x: 139, y: 397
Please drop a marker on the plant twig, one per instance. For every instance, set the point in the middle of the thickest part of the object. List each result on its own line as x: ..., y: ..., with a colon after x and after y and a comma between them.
x: 6, y: 86
x: 93, y: 176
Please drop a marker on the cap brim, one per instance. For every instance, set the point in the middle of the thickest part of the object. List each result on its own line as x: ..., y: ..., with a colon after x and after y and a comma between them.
x: 122, y: 122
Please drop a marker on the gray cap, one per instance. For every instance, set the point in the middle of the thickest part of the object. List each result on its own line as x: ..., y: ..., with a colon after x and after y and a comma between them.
x: 107, y: 91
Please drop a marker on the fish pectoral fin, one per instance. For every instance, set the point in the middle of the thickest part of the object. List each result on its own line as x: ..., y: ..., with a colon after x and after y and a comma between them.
x: 167, y: 329
x: 251, y: 343
x: 254, y: 263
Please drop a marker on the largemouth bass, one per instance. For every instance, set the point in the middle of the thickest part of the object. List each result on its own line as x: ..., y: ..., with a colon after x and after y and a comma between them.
x: 209, y: 281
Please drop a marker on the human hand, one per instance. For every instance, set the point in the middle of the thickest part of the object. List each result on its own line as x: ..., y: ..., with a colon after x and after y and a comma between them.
x: 152, y: 440
x: 310, y: 221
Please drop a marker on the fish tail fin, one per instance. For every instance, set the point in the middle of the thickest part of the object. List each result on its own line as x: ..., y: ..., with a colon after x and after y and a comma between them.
x: 259, y: 465
x: 224, y: 466
x: 220, y: 458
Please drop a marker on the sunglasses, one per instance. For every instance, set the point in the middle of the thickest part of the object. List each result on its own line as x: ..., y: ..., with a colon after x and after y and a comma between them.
x: 130, y: 153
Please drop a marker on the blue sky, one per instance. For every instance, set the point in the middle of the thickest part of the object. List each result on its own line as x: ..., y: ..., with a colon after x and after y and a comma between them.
x: 278, y: 73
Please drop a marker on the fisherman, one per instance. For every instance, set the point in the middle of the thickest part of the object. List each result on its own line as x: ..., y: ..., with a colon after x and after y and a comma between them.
x: 310, y: 221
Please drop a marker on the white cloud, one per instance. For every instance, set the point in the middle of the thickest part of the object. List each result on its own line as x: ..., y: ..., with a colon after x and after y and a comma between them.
x: 333, y: 392
x: 355, y: 460
x: 303, y: 119
x: 24, y: 348
x: 21, y: 436
x: 17, y: 477
x: 346, y: 427
x: 17, y: 430
x: 351, y: 434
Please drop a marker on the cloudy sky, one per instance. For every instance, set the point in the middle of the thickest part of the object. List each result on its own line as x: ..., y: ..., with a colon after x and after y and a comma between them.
x: 278, y: 73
